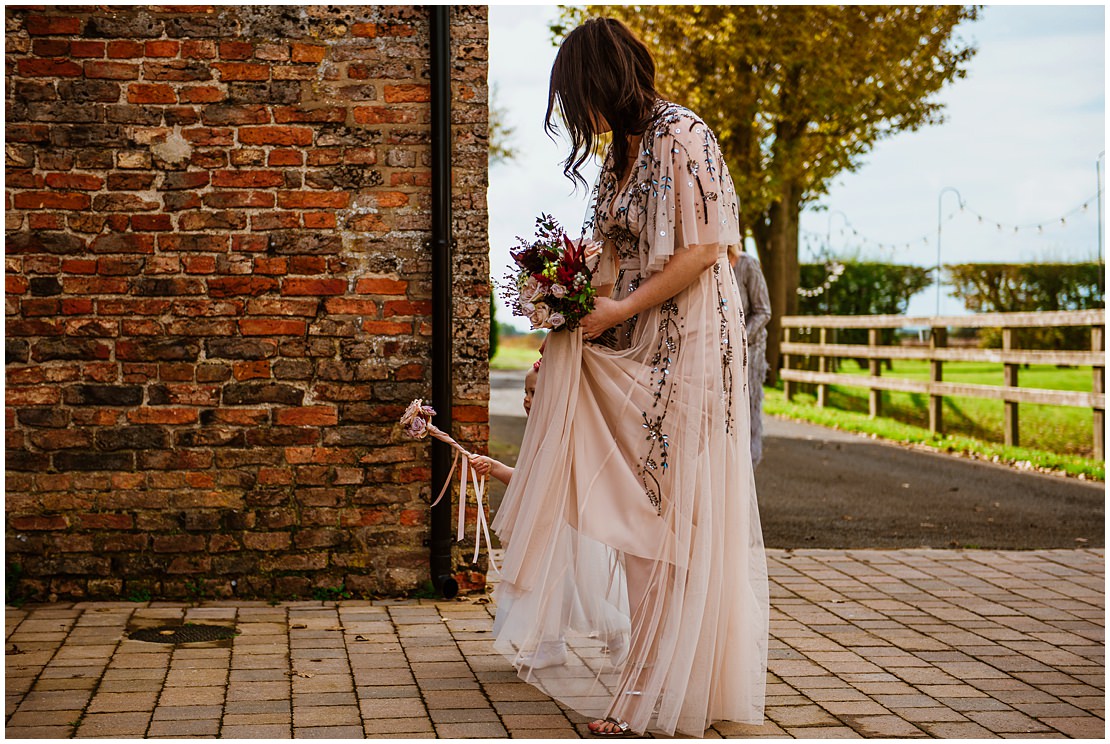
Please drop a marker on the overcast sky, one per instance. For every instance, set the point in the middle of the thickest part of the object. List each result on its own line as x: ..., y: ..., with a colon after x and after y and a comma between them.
x: 1020, y: 142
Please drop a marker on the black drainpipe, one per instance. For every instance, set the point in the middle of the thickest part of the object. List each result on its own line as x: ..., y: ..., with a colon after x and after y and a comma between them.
x: 439, y: 540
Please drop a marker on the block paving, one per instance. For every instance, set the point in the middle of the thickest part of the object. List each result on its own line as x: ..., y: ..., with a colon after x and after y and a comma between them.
x: 864, y: 644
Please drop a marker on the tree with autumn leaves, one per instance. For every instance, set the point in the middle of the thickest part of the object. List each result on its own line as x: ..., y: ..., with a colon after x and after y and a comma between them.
x: 796, y: 96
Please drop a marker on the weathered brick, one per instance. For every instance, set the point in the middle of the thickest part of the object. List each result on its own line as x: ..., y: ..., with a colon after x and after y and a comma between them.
x: 271, y: 327
x: 162, y: 48
x: 51, y: 200
x: 123, y: 243
x: 247, y: 179
x: 168, y: 287
x: 150, y: 93
x: 110, y: 70
x: 130, y: 181
x: 105, y: 521
x: 308, y: 53
x: 47, y: 350
x: 230, y: 71
x: 61, y: 439
x: 312, y: 200
x: 86, y: 48
x: 31, y: 523
x: 309, y: 416
x: 77, y: 181
x: 373, y: 30
x: 282, y: 136
x: 158, y: 349
x: 178, y: 543
x: 236, y: 286
x: 407, y: 93
x: 125, y: 49
x: 43, y: 25
x: 94, y: 461
x: 200, y: 94
x: 295, y: 286
x: 103, y: 395
x: 262, y: 392
x: 30, y: 67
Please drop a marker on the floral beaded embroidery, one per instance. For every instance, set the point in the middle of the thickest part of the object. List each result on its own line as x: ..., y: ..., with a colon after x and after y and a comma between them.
x: 661, y: 362
x: 726, y: 350
x: 625, y: 215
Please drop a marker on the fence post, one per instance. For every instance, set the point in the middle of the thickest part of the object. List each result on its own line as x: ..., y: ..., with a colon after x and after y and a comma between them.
x: 1098, y: 343
x: 822, y: 366
x: 938, y: 339
x: 875, y: 396
x: 1010, y: 379
x: 787, y: 385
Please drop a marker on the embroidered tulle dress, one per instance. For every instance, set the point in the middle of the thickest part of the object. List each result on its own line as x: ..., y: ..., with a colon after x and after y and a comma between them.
x: 635, y: 474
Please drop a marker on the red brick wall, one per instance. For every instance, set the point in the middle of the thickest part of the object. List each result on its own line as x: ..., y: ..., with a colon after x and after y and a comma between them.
x: 218, y: 294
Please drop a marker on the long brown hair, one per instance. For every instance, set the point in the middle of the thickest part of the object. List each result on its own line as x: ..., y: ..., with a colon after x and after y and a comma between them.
x: 601, y: 68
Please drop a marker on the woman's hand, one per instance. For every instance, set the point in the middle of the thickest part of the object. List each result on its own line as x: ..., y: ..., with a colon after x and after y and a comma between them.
x: 607, y: 313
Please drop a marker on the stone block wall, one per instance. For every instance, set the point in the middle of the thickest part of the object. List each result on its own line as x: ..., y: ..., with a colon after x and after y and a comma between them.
x: 218, y: 282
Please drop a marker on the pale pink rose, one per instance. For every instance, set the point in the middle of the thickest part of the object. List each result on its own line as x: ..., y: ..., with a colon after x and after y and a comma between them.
x: 417, y: 428
x: 417, y: 418
x: 413, y: 411
x: 539, y: 315
x: 527, y: 308
x: 531, y: 289
x: 555, y: 320
x: 558, y: 291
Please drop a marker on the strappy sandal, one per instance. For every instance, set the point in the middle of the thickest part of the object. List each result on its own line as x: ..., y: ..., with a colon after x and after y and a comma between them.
x: 614, y: 727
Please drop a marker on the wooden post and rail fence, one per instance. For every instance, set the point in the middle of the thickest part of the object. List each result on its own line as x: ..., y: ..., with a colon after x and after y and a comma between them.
x: 937, y: 353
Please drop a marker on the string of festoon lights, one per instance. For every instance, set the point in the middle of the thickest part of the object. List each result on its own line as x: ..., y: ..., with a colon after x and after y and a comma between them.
x: 818, y: 244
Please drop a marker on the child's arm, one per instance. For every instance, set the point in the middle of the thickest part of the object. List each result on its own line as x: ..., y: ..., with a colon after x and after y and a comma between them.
x: 488, y: 466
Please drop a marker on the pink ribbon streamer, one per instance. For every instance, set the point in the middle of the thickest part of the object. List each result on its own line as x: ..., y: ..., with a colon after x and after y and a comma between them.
x: 480, y: 523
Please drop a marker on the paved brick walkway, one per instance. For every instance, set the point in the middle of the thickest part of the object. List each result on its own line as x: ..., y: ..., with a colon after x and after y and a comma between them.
x: 865, y: 643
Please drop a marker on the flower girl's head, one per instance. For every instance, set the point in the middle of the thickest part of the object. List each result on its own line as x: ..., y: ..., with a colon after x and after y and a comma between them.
x: 530, y: 386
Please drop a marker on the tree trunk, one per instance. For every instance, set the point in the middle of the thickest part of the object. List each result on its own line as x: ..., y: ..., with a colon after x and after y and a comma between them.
x: 777, y: 243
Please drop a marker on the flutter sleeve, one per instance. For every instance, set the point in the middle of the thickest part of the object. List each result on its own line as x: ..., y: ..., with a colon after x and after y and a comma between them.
x: 690, y: 197
x: 605, y: 274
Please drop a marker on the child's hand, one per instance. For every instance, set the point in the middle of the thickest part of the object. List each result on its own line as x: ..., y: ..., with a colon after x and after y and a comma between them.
x: 481, y: 464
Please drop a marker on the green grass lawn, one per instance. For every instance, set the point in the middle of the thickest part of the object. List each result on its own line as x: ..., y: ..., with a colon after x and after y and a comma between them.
x: 1051, y: 437
x: 1053, y: 428
x: 517, y: 352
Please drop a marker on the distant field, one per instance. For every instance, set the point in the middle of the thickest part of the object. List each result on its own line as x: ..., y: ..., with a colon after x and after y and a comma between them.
x: 1052, y: 428
x: 517, y: 352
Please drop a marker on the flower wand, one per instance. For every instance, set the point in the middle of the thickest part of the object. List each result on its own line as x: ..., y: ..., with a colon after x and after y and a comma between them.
x: 417, y: 423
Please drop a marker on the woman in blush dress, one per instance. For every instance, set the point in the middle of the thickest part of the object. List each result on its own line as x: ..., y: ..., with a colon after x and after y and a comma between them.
x: 634, y: 581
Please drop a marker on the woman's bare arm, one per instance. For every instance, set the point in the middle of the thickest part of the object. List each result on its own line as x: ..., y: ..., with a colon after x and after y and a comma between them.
x: 683, y: 268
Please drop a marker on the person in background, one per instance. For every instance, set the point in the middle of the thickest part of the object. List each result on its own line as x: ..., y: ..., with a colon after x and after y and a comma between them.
x: 756, y: 302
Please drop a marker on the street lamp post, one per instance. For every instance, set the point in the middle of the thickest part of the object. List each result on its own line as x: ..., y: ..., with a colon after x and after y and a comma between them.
x: 1098, y: 192
x: 828, y: 231
x: 940, y: 222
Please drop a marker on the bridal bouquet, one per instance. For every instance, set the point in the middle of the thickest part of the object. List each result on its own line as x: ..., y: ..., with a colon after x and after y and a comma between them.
x: 416, y: 422
x: 551, y: 284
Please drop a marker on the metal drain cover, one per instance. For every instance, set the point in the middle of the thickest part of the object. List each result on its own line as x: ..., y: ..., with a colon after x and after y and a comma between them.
x: 184, y: 634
